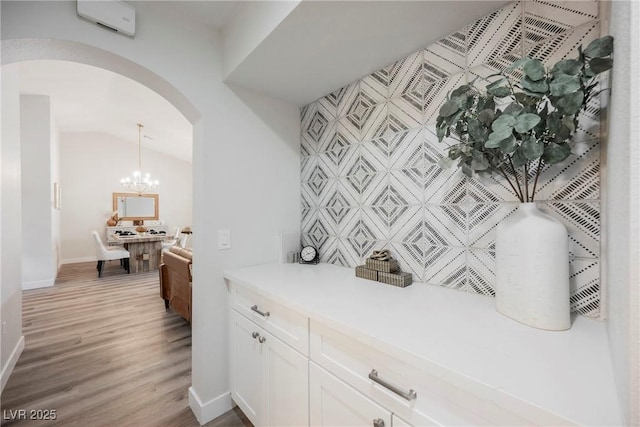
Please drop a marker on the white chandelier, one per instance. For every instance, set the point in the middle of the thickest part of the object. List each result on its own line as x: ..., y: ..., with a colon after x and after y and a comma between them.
x: 139, y: 183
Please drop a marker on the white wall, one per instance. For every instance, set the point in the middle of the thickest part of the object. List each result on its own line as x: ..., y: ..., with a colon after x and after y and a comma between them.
x: 623, y: 208
x: 10, y: 223
x: 252, y: 23
x: 92, y: 165
x: 55, y: 178
x: 246, y: 153
x: 39, y: 265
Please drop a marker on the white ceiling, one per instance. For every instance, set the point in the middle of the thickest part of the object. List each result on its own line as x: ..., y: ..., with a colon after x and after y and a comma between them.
x: 322, y: 46
x: 90, y: 99
x: 213, y: 13
x: 319, y: 47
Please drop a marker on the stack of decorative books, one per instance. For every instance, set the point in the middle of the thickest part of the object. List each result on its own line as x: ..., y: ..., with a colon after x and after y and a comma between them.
x: 380, y: 266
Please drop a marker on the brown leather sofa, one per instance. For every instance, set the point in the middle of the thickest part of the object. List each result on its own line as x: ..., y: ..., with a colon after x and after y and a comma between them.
x: 175, y: 280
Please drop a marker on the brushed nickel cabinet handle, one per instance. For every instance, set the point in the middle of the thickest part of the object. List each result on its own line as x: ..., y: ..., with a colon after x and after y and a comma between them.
x: 255, y: 335
x: 408, y: 395
x: 261, y: 339
x: 378, y: 422
x: 261, y: 313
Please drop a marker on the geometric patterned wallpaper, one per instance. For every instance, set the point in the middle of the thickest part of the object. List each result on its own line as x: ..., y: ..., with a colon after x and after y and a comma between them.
x: 370, y: 177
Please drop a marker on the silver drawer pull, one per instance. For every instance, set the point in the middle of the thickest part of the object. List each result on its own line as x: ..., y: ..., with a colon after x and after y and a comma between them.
x: 261, y: 339
x: 255, y: 335
x: 410, y: 395
x: 378, y: 422
x: 261, y: 313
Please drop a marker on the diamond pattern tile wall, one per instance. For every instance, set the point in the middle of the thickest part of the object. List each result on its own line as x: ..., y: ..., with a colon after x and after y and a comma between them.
x: 369, y: 155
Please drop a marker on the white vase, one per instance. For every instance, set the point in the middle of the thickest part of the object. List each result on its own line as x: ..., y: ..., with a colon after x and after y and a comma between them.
x: 532, y: 269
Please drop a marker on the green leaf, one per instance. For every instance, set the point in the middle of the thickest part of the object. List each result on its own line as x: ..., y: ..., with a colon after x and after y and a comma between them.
x: 441, y: 132
x: 496, y: 137
x: 568, y: 122
x: 450, y: 107
x: 563, y: 135
x: 555, y: 153
x: 466, y: 169
x: 526, y: 122
x: 490, y: 104
x: 480, y: 164
x: 445, y: 162
x: 513, y: 109
x: 599, y: 48
x: 599, y: 65
x: 532, y: 148
x: 534, y: 69
x: 518, y: 158
x: 540, y: 86
x: 563, y: 84
x: 571, y: 103
x: 570, y: 67
x: 496, y: 83
x: 554, y: 122
x: 486, y: 116
x: 476, y: 131
x: 519, y: 63
x: 504, y: 123
x: 500, y: 91
x: 509, y: 145
x: 533, y: 94
x: 460, y: 91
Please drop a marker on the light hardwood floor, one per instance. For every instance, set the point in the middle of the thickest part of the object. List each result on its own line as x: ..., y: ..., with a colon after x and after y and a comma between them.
x: 104, y: 352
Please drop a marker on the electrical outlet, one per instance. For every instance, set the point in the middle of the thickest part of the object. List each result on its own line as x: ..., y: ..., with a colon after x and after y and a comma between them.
x: 224, y: 239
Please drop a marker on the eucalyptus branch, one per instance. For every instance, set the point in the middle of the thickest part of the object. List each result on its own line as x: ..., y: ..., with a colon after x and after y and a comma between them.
x: 535, y: 118
x: 535, y: 183
x: 510, y: 183
x: 526, y: 182
x: 517, y: 179
x: 513, y: 92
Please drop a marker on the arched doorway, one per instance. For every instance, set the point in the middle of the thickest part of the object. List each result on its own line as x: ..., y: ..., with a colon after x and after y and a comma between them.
x: 16, y: 51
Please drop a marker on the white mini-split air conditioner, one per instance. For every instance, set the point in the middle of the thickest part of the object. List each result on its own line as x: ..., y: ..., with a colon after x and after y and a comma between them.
x: 112, y: 14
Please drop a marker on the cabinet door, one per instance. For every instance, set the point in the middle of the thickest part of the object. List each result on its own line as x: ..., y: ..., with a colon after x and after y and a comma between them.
x: 396, y: 421
x: 287, y: 384
x: 334, y: 403
x: 248, y: 378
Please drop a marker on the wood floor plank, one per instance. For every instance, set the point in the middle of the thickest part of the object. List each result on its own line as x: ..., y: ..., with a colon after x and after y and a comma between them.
x: 104, y: 352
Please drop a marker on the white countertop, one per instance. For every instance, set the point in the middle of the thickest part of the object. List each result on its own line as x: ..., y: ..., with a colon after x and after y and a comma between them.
x: 568, y: 373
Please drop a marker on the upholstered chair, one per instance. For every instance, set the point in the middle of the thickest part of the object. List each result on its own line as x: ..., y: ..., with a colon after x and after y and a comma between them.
x: 106, y: 254
x: 171, y: 241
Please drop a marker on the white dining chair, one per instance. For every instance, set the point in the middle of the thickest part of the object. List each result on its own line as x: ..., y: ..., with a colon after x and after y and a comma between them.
x: 106, y: 254
x: 172, y: 241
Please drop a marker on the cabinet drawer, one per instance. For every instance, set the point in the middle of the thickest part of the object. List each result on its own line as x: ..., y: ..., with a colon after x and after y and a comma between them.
x: 335, y: 404
x: 442, y: 397
x: 288, y: 325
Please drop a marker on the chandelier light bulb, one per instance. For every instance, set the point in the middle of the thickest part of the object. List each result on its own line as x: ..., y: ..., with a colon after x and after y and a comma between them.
x: 138, y: 184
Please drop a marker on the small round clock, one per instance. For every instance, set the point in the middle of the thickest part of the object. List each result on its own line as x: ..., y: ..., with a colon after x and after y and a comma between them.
x: 309, y: 255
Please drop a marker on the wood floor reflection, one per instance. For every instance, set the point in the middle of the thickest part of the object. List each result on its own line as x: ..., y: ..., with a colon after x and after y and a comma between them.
x: 103, y: 352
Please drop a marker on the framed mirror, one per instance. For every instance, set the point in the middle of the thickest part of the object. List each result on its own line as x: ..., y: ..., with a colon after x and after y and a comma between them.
x: 131, y: 206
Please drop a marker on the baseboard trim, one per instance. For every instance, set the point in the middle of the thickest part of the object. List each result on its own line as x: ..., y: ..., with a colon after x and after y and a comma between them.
x: 11, y: 363
x: 77, y: 260
x: 38, y: 284
x: 211, y: 409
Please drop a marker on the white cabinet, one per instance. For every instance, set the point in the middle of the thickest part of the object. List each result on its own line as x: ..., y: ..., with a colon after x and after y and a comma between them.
x: 269, y: 379
x: 423, y: 396
x: 247, y: 370
x: 293, y: 363
x: 334, y: 403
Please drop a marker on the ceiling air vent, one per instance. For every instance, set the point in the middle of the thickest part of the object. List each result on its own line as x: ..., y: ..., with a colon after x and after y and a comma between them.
x: 112, y: 14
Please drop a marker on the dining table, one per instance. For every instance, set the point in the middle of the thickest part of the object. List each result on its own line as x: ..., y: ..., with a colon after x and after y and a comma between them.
x: 144, y: 250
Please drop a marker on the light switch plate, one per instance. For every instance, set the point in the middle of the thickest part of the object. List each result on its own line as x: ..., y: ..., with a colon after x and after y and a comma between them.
x: 224, y: 239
